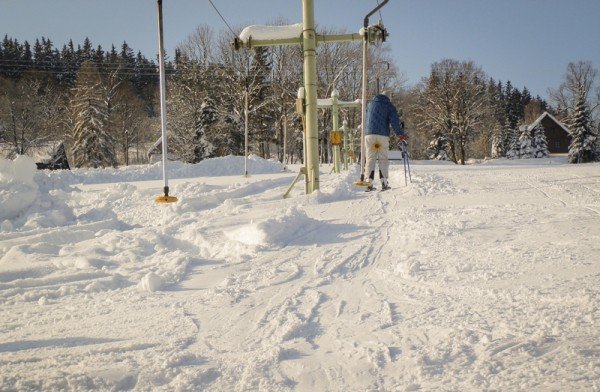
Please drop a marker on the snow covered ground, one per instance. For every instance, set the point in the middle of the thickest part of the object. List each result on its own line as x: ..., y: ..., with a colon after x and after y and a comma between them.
x: 484, y: 277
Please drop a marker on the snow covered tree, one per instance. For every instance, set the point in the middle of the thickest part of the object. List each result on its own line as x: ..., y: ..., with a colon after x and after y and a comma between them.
x: 208, y: 116
x: 92, y: 144
x: 525, y: 145
x: 438, y: 148
x: 573, y: 97
x: 583, y: 137
x: 24, y: 109
x: 511, y: 143
x: 539, y: 142
x: 190, y: 110
x: 453, y: 101
x: 497, y: 142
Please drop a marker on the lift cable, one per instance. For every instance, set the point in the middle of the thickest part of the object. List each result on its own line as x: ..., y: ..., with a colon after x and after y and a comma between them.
x: 222, y: 18
x: 380, y: 17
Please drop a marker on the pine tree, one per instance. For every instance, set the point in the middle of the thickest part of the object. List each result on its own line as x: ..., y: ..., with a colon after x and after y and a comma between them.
x: 525, y: 148
x: 86, y: 53
x: 583, y: 137
x: 506, y: 135
x: 438, y: 147
x: 540, y: 143
x: 208, y: 116
x: 512, y: 143
x: 497, y: 144
x: 190, y: 111
x: 92, y: 145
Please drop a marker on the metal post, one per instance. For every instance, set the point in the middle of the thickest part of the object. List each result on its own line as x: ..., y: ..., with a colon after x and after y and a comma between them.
x: 310, y: 84
x: 163, y: 108
x: 363, y: 110
x: 246, y: 94
x: 246, y: 133
x: 284, y: 140
x: 335, y: 119
x: 345, y: 141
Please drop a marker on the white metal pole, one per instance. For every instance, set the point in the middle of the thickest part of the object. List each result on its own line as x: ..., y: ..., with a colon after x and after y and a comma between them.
x: 163, y: 107
x: 246, y: 133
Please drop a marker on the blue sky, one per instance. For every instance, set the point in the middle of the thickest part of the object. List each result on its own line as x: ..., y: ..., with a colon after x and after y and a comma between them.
x: 529, y: 42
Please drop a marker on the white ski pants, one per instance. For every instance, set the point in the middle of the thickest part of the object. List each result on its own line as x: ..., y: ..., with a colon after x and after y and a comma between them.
x: 377, y: 147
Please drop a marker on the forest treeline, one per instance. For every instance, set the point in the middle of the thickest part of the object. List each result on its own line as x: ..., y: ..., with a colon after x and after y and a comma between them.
x: 103, y: 104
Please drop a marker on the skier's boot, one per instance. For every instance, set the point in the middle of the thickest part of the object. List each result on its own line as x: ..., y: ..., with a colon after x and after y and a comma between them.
x: 384, y: 185
x: 370, y: 181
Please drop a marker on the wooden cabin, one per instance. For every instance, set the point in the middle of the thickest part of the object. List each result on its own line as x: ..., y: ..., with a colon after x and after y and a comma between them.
x: 557, y: 134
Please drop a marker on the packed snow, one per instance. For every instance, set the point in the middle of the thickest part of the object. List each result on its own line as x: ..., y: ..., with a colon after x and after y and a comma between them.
x: 261, y: 32
x: 477, y: 277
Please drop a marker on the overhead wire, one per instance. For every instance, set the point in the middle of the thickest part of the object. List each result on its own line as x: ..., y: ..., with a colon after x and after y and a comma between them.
x: 222, y: 18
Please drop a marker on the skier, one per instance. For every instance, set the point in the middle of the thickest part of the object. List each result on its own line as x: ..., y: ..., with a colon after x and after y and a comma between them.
x: 381, y: 113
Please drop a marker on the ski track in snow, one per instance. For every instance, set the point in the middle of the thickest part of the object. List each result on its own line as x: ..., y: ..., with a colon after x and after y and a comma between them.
x: 470, y: 278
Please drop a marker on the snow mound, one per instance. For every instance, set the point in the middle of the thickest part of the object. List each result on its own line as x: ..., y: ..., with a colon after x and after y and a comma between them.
x: 27, y: 199
x: 17, y: 188
x: 276, y: 232
x: 151, y: 283
x: 339, y: 188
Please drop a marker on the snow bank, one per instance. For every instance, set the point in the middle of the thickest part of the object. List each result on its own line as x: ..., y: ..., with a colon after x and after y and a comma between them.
x: 222, y: 166
x: 17, y: 188
x: 261, y: 32
x: 27, y: 199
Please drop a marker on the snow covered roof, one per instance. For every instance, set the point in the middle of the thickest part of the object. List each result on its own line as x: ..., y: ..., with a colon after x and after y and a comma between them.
x: 324, y: 102
x: 327, y: 102
x: 546, y: 114
x: 261, y: 32
x: 156, y: 147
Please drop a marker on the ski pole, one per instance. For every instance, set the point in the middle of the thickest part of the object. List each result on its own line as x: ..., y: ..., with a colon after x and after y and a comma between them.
x: 406, y: 162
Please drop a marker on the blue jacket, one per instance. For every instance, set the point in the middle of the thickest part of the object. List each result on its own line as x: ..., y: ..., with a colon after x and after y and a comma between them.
x: 381, y: 113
